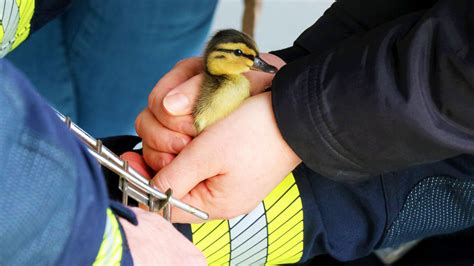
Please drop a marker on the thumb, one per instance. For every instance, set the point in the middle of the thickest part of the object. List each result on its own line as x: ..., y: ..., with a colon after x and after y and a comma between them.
x: 188, y: 169
x: 180, y: 100
x: 137, y: 162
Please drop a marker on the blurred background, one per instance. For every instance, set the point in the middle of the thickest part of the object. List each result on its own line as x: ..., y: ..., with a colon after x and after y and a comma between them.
x: 280, y: 21
x: 117, y: 50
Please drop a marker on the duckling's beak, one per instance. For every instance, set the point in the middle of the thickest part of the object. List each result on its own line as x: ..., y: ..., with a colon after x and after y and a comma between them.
x: 259, y: 64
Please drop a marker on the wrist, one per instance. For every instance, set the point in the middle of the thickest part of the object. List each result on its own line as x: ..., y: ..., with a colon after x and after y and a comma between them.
x: 290, y: 156
x: 271, y: 128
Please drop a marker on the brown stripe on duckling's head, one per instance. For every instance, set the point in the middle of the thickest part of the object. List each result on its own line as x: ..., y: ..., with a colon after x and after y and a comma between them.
x: 230, y: 36
x: 233, y: 52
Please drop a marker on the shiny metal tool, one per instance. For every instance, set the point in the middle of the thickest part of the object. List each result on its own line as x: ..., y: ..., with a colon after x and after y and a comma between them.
x: 132, y: 184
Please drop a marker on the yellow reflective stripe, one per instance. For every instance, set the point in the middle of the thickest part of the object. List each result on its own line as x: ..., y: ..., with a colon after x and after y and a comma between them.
x: 15, y: 18
x: 110, y: 252
x: 284, y: 210
x: 270, y: 234
x: 274, y: 196
x: 27, y: 8
x: 213, y: 240
x: 2, y: 33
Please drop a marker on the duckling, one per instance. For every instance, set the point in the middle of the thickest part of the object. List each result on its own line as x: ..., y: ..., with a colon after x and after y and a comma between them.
x: 228, y: 55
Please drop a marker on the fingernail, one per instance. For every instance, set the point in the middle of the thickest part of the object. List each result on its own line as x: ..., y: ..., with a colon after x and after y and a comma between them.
x: 178, y: 144
x: 176, y: 103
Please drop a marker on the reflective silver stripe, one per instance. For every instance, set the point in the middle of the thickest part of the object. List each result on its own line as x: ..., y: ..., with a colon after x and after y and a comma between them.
x: 248, y: 236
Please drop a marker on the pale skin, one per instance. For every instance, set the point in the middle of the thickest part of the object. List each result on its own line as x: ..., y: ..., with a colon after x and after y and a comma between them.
x: 156, y: 242
x: 232, y: 165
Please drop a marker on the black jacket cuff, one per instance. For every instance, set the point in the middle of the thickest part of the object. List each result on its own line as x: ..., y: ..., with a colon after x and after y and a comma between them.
x: 291, y: 53
x: 302, y: 121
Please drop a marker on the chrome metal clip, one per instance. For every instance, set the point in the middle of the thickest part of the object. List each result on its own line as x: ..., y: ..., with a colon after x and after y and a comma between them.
x: 132, y: 183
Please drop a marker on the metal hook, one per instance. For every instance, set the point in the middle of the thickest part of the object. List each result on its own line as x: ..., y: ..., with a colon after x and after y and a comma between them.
x: 132, y: 183
x: 68, y: 121
x: 156, y: 205
x: 124, y: 185
x: 164, y: 204
x: 98, y: 146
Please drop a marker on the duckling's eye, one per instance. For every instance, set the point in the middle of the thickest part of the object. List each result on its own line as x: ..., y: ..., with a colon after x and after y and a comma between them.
x: 238, y: 52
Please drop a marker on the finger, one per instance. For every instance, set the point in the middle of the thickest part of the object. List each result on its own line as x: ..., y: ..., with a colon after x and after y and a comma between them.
x: 158, y: 137
x: 156, y: 159
x: 182, y: 124
x: 259, y: 81
x: 137, y: 162
x: 180, y: 100
x: 198, y: 200
x: 181, y: 72
x: 175, y: 110
x: 215, y: 203
x: 195, y: 163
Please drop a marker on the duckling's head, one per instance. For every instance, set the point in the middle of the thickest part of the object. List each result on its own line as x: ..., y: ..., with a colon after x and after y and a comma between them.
x: 232, y: 52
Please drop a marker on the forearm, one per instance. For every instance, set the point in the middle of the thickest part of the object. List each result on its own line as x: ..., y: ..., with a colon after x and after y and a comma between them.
x: 349, y: 221
x: 54, y: 200
x: 307, y: 215
x: 383, y: 100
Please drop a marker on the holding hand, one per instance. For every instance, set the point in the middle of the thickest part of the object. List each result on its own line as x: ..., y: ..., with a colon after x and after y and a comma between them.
x: 244, y: 151
x: 166, y: 130
x: 166, y: 126
x: 231, y: 166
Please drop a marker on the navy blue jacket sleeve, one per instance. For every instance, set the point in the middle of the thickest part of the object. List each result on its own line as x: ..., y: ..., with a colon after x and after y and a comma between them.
x: 351, y: 220
x: 53, y: 199
x: 398, y: 95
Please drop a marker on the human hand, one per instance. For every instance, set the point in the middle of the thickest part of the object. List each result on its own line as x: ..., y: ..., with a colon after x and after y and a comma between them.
x: 232, y: 165
x: 156, y: 242
x: 166, y: 125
